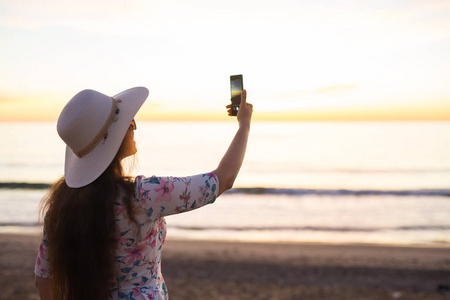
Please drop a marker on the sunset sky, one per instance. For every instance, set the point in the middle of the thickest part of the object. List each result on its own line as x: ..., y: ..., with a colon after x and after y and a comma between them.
x: 301, y: 60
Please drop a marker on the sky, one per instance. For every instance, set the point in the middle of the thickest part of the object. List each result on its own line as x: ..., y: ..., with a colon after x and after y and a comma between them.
x: 301, y: 60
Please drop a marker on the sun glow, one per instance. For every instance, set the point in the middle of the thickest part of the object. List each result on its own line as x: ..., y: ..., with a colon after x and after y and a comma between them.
x: 300, y: 61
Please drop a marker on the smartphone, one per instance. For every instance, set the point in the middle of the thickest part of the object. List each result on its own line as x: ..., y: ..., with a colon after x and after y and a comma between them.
x: 236, y: 86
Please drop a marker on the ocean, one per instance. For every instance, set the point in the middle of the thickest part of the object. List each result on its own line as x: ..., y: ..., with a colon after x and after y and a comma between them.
x: 325, y: 182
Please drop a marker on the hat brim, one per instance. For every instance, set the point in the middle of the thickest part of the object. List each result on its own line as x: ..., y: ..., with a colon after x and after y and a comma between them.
x: 82, y: 171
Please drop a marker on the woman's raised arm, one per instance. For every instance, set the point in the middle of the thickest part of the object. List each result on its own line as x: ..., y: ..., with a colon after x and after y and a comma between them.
x: 231, y: 162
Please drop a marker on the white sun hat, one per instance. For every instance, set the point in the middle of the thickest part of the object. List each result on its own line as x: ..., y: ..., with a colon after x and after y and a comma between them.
x: 93, y: 126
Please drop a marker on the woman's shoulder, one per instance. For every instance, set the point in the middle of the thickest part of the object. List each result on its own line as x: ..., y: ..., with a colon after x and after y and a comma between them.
x: 143, y: 184
x: 142, y: 179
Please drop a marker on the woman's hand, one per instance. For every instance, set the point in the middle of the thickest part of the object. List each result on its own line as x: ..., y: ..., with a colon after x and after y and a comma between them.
x: 245, y: 111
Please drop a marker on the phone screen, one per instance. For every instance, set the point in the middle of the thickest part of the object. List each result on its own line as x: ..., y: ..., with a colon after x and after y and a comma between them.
x: 236, y: 86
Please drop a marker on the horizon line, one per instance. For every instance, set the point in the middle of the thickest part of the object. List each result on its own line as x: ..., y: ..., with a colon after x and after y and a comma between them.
x: 254, y: 119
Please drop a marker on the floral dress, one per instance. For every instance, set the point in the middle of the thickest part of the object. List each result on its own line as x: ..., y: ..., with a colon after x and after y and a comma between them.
x: 138, y: 250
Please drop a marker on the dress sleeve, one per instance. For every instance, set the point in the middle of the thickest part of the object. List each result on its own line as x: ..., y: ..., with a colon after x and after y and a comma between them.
x: 41, y: 268
x: 162, y: 196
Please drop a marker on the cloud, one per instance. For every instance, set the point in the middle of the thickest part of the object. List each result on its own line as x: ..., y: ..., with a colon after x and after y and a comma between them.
x: 103, y: 17
x: 336, y: 89
x: 332, y: 90
x: 416, y: 22
x: 6, y: 98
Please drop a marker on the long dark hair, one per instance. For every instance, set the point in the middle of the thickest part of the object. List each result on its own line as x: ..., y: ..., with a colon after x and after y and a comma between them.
x: 81, y: 233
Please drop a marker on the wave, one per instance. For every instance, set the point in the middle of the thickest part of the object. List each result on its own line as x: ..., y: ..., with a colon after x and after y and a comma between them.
x: 19, y: 224
x: 24, y: 185
x: 279, y: 191
x: 314, y: 228
x: 339, y: 192
x: 275, y: 228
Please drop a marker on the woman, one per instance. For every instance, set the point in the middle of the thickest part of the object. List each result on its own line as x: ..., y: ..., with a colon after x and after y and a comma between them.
x: 103, y: 231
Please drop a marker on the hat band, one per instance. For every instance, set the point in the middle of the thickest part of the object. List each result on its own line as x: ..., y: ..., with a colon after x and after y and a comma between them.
x: 103, y: 133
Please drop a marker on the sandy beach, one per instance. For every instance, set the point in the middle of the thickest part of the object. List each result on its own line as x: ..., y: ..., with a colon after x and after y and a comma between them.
x: 228, y: 270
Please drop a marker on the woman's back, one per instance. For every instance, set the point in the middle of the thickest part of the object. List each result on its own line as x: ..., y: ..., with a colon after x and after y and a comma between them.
x: 139, y: 243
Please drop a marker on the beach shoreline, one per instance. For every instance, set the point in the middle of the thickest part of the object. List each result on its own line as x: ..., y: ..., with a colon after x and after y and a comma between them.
x: 236, y: 270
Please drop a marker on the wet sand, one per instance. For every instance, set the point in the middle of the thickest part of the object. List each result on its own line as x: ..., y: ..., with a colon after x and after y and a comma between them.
x: 233, y: 270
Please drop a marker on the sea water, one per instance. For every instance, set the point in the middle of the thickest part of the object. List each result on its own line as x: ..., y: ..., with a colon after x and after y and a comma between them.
x: 355, y: 182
